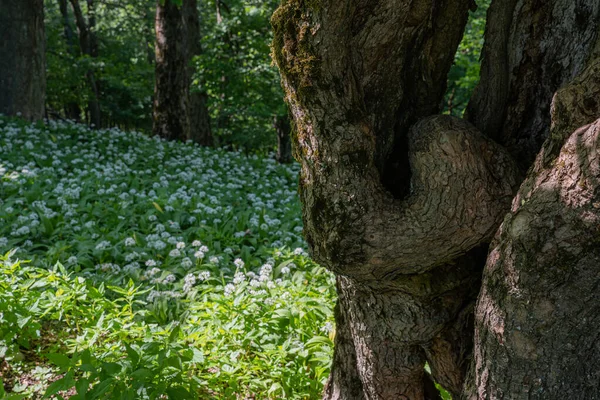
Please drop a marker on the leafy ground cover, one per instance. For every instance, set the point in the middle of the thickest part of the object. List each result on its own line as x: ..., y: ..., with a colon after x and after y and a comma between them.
x: 155, y: 270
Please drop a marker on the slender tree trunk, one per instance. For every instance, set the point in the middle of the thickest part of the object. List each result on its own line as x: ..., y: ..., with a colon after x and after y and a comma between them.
x: 283, y: 128
x: 22, y: 58
x: 89, y: 46
x: 402, y: 204
x: 171, y: 121
x: 72, y: 110
x: 199, y: 124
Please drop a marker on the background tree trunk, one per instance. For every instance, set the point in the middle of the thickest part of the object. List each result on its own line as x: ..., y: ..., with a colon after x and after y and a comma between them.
x: 22, y: 58
x: 283, y: 128
x: 199, y: 123
x: 72, y: 110
x: 171, y: 120
x: 88, y: 44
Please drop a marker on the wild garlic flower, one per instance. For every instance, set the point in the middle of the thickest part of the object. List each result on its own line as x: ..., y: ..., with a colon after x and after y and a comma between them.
x: 203, y: 275
x: 199, y: 254
x: 150, y: 263
x: 229, y: 289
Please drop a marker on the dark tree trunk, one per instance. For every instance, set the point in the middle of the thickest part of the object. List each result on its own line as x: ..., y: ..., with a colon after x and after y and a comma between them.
x: 179, y: 112
x: 402, y: 204
x: 171, y: 121
x: 538, y: 314
x: 199, y: 123
x: 89, y: 46
x: 283, y: 128
x: 72, y: 110
x: 531, y: 49
x: 22, y: 58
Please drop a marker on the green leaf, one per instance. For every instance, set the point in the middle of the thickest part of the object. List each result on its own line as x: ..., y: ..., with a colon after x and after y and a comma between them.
x: 111, y: 368
x: 56, y: 387
x: 60, y: 360
x: 133, y: 355
x: 198, y: 357
x: 178, y: 393
x: 142, y: 374
x: 317, y: 340
x: 101, y: 388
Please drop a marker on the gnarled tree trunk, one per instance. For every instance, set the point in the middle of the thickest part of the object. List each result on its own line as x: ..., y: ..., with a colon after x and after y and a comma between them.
x: 22, y: 58
x: 402, y: 204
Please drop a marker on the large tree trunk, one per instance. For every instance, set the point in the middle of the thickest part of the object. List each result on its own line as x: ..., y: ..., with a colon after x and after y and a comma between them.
x: 22, y: 58
x: 199, y: 119
x: 537, y: 314
x: 402, y: 205
x: 405, y: 241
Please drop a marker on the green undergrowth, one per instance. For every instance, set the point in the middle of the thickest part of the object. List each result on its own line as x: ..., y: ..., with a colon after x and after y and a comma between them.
x: 154, y: 270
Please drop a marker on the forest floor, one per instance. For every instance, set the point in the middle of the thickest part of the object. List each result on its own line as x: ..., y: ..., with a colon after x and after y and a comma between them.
x: 137, y: 268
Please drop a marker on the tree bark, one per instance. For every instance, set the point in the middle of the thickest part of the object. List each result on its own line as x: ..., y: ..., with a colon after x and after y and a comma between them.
x: 537, y: 319
x: 22, y: 58
x: 171, y: 121
x: 179, y: 112
x: 532, y: 48
x: 283, y: 128
x: 407, y: 249
x: 402, y: 204
x: 199, y: 124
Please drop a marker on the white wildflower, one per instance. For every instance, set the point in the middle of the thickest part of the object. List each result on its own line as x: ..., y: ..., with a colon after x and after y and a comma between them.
x: 203, y: 275
x: 229, y: 289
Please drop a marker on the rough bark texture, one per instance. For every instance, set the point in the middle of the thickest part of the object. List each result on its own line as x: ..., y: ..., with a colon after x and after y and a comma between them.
x: 22, y: 58
x: 199, y: 120
x: 283, y: 128
x: 401, y: 205
x: 532, y: 48
x: 171, y: 120
x: 538, y: 314
x: 394, y: 202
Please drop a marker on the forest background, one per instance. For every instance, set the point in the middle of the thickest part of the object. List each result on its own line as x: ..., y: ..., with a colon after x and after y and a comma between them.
x: 234, y: 68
